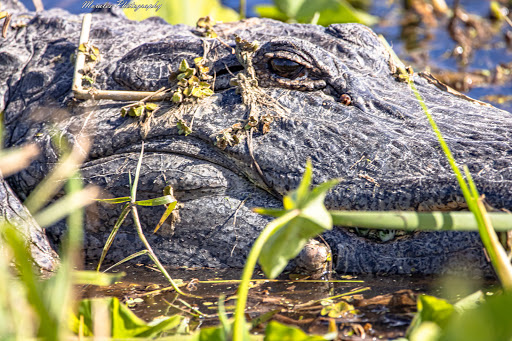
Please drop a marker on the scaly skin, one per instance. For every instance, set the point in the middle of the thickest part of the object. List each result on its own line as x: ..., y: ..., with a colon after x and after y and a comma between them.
x: 344, y: 110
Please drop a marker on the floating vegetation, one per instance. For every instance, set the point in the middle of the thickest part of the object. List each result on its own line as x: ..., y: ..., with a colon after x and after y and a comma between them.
x: 183, y: 128
x: 205, y: 26
x: 230, y: 136
x: 92, y: 57
x: 91, y: 52
x: 252, y: 96
x: 138, y: 109
x: 192, y: 82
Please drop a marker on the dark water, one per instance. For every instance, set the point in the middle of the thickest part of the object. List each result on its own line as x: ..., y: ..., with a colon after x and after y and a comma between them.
x: 385, y: 304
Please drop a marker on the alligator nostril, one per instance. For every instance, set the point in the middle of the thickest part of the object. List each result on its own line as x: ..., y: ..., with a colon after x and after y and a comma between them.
x: 229, y: 70
x: 345, y: 99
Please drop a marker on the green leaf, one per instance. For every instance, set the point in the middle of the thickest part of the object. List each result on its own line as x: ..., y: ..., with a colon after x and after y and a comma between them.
x: 124, y: 323
x: 497, y: 10
x: 88, y: 79
x: 211, y: 334
x: 166, y: 214
x: 161, y: 324
x: 166, y: 199
x: 202, y: 92
x: 136, y: 111
x: 128, y: 258
x: 151, y: 106
x: 497, y: 254
x: 285, y: 244
x: 469, y: 302
x: 193, y: 80
x: 337, y: 310
x: 264, y: 318
x: 183, y: 128
x: 183, y: 12
x: 427, y: 331
x: 431, y: 309
x: 183, y: 66
x: 490, y: 321
x: 313, y: 219
x: 314, y: 208
x: 276, y: 331
x: 188, y: 91
x: 295, y: 198
x: 273, y: 212
x: 177, y: 97
x: 189, y: 73
x: 223, y: 318
x: 110, y: 240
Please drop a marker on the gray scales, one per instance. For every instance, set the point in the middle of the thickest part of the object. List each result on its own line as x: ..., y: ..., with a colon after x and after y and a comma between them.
x: 340, y: 106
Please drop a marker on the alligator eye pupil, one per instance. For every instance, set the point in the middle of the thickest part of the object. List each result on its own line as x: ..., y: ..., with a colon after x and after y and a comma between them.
x: 286, y: 68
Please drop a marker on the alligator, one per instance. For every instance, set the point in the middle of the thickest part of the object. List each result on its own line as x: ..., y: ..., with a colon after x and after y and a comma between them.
x: 327, y: 94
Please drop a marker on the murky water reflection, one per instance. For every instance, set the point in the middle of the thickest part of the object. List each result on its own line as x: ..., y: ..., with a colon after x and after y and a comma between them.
x: 384, y: 304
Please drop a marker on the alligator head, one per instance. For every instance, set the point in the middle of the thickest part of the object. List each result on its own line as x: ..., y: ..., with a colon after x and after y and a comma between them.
x: 327, y: 94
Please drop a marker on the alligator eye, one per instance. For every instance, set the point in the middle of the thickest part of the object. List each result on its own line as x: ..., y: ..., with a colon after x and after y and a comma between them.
x: 287, y: 68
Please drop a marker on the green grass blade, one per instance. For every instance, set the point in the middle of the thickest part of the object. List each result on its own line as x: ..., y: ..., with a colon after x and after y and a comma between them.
x: 497, y: 254
x: 54, y: 181
x: 166, y: 199
x: 66, y: 205
x: 471, y: 183
x: 243, y: 288
x: 151, y: 254
x: 273, y: 212
x: 166, y: 214
x: 95, y: 278
x: 48, y: 326
x: 487, y: 234
x: 110, y: 240
x: 167, y: 276
x: 58, y: 292
x: 137, y: 173
x: 130, y: 257
x: 17, y: 158
x: 1, y: 130
x: 447, y: 152
x: 489, y: 238
x: 119, y: 200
